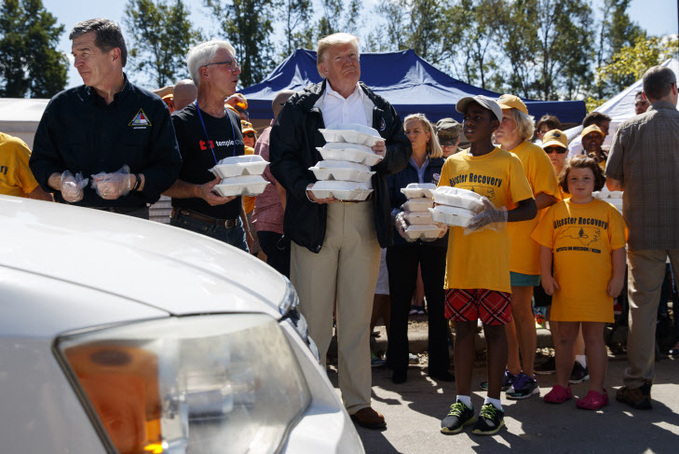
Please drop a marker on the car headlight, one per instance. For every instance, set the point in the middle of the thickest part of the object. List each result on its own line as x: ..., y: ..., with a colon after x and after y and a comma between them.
x: 288, y: 309
x: 203, y: 384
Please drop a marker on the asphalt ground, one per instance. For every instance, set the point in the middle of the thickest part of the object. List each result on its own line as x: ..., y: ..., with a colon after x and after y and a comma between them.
x: 414, y: 409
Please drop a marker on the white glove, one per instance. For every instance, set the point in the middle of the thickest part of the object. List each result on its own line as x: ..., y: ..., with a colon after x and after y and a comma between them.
x: 491, y: 218
x: 111, y: 186
x: 401, y: 225
x: 71, y: 187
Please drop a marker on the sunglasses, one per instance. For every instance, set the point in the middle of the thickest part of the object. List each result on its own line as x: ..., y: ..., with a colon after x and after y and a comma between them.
x: 249, y: 134
x: 559, y: 150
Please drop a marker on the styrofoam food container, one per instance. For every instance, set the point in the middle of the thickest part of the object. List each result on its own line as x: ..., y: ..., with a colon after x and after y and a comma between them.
x: 417, y: 190
x: 606, y: 194
x: 341, y: 190
x: 457, y: 197
x: 422, y: 232
x: 250, y: 185
x: 342, y: 171
x: 460, y: 217
x: 418, y: 218
x: 351, y: 133
x: 234, y: 166
x: 417, y: 205
x: 349, y: 152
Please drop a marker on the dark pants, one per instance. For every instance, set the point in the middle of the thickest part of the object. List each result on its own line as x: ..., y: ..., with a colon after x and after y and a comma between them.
x: 235, y: 236
x: 402, y: 262
x: 277, y: 250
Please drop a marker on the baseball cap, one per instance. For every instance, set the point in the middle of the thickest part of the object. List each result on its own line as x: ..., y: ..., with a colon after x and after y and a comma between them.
x: 246, y: 126
x: 484, y: 101
x: 448, y: 130
x: 512, y: 102
x: 592, y: 128
x: 555, y: 138
x: 279, y: 100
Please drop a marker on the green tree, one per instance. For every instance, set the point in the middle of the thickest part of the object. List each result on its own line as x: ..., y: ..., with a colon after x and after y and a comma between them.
x: 247, y: 25
x: 163, y: 35
x: 30, y: 65
x: 296, y: 17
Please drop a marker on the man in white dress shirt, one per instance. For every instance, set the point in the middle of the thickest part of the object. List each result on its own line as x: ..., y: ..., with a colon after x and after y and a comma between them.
x: 335, y: 252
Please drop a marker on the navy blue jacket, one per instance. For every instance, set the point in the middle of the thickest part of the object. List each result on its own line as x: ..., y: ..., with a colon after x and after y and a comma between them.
x: 402, y: 179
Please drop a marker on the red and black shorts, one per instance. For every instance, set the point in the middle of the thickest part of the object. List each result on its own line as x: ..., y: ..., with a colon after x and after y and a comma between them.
x: 468, y: 305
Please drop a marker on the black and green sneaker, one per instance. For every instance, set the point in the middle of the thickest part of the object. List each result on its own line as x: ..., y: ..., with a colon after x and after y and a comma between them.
x: 459, y: 416
x: 491, y: 420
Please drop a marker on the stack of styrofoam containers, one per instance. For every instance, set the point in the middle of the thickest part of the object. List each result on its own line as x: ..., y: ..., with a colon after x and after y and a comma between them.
x: 455, y: 206
x: 344, y: 173
x: 420, y: 223
x: 241, y: 175
x: 612, y: 197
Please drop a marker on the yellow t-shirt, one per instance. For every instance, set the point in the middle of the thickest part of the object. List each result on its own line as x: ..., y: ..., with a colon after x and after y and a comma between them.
x: 16, y: 177
x: 542, y: 179
x: 480, y: 260
x: 582, y: 238
x: 249, y: 202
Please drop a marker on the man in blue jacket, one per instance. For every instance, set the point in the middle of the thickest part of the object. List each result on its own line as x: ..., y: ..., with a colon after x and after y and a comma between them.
x: 335, y: 252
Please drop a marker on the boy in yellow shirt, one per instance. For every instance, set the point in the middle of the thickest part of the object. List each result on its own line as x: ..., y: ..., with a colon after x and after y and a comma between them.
x: 477, y: 264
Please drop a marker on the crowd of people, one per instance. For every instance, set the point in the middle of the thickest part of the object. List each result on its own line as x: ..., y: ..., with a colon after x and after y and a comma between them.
x: 542, y: 238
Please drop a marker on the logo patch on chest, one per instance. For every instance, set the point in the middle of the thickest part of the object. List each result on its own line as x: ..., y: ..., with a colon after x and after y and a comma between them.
x: 140, y: 120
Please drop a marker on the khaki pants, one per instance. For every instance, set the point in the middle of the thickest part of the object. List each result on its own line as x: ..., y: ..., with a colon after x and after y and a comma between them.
x: 646, y: 274
x: 344, y: 273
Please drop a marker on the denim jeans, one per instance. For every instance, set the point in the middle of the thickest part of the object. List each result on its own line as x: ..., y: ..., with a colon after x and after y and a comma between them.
x: 235, y: 236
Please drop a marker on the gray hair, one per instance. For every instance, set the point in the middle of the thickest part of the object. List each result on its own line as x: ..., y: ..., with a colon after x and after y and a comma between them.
x: 107, y: 35
x: 657, y: 82
x: 202, y: 54
x: 333, y: 40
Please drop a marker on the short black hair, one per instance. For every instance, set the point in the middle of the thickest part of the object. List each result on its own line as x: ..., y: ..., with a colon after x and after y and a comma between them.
x: 107, y: 35
x: 594, y: 118
x: 582, y: 162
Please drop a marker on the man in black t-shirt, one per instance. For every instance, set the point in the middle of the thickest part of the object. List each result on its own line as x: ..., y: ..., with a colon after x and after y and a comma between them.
x: 206, y: 133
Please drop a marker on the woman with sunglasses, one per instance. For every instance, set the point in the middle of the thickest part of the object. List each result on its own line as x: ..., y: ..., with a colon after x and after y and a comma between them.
x: 555, y: 144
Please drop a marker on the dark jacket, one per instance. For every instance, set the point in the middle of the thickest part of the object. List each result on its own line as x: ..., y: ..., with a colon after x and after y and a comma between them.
x: 294, y: 138
x: 395, y: 182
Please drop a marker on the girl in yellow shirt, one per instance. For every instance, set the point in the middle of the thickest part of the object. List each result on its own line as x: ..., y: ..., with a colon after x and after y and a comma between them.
x: 585, y: 237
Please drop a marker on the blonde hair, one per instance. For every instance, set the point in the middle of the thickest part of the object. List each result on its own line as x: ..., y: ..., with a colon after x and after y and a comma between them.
x: 525, y: 125
x: 433, y: 146
x: 333, y: 40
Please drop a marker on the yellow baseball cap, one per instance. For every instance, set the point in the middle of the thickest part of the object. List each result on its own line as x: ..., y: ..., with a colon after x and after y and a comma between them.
x: 555, y: 138
x: 512, y: 102
x: 592, y: 128
x: 246, y: 126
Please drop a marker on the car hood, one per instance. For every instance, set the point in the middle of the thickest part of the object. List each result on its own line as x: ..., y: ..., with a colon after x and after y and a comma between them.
x: 161, y: 266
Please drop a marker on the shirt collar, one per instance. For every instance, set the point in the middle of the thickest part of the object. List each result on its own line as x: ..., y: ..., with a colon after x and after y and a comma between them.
x: 94, y: 96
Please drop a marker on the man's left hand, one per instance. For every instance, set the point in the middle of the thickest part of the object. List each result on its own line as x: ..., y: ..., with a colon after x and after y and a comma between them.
x: 380, y: 148
x: 111, y: 186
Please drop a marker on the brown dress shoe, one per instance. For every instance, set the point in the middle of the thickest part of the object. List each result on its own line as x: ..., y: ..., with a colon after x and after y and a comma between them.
x: 639, y: 398
x: 369, y: 418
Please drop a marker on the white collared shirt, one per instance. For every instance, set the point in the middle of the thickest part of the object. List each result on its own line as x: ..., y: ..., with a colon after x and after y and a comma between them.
x: 337, y: 109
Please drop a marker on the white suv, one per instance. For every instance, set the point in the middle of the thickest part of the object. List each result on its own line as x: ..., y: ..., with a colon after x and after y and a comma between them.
x: 123, y: 335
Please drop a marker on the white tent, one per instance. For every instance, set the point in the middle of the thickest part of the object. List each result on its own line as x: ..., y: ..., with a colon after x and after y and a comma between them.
x: 619, y: 108
x: 20, y: 117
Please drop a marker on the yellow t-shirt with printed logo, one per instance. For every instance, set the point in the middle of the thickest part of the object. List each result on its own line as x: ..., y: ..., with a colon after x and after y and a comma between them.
x: 480, y: 260
x: 542, y: 179
x: 582, y: 238
x: 16, y: 177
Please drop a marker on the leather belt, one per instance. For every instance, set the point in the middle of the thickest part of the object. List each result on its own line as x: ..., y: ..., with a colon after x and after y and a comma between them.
x: 227, y: 223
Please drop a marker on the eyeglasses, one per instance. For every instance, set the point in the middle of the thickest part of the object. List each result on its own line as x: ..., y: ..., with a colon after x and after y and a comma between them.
x: 559, y: 150
x: 231, y: 64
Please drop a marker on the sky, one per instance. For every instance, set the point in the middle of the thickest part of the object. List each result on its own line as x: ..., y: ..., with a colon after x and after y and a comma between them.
x: 658, y: 17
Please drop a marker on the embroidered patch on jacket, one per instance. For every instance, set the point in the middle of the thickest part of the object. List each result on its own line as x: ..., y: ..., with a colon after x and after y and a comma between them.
x: 383, y: 125
x: 140, y: 119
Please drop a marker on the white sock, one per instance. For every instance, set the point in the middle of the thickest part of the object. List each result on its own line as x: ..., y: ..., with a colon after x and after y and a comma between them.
x: 467, y: 400
x: 496, y: 402
x: 582, y: 359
